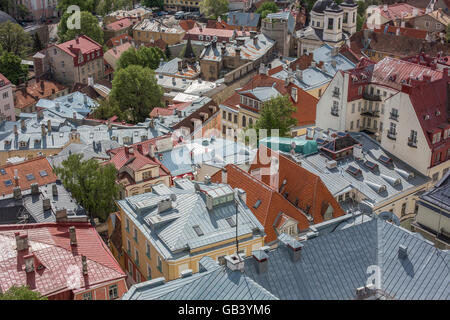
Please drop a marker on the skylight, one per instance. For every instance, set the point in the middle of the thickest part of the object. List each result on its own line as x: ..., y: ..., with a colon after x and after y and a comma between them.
x: 231, y: 222
x: 43, y: 173
x: 3, y: 172
x: 385, y: 159
x: 8, y: 183
x: 30, y: 176
x: 258, y: 202
x: 198, y: 231
x: 354, y: 171
x: 371, y: 165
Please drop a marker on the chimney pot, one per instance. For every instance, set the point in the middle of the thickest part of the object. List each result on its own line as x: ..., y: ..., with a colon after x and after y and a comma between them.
x: 84, y: 264
x: 73, y: 236
x: 21, y: 241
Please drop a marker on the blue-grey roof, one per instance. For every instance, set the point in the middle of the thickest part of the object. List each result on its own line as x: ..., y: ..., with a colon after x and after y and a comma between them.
x: 171, y: 67
x: 215, y: 284
x: 67, y: 106
x: 324, y: 54
x: 243, y: 19
x: 311, y: 77
x: 439, y: 195
x: 172, y: 230
x: 331, y: 266
x: 338, y: 180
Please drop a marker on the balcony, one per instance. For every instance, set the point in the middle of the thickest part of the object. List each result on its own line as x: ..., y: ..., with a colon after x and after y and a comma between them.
x: 392, y: 135
x: 335, y: 112
x: 371, y: 96
x: 412, y: 142
x: 371, y: 113
x: 393, y: 116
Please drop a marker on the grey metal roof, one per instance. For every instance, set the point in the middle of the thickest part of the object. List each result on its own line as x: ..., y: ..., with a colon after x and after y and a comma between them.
x: 324, y: 53
x: 332, y: 266
x: 243, y: 19
x: 215, y: 284
x: 172, y: 231
x: 338, y: 179
x: 439, y: 195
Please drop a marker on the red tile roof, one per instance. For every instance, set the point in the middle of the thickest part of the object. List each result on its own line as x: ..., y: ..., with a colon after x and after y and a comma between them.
x: 408, y: 32
x: 224, y: 33
x: 34, y: 166
x: 28, y: 95
x: 119, y: 24
x: 50, y: 244
x: 398, y: 10
x: 188, y: 24
x: 5, y: 80
x: 82, y: 43
x: 170, y: 109
x: 115, y: 41
x: 300, y: 184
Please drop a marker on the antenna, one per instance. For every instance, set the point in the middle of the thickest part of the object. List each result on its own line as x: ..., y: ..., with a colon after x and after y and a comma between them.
x: 237, y: 241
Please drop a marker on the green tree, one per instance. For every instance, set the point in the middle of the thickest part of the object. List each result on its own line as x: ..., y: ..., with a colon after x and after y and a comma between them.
x: 92, y: 185
x: 277, y: 114
x: 108, y: 108
x: 89, y: 27
x: 22, y: 12
x: 266, y: 8
x: 147, y: 57
x: 37, y: 44
x: 21, y: 293
x: 135, y: 89
x: 214, y: 8
x: 84, y: 5
x: 154, y: 4
x: 12, y: 68
x: 14, y: 39
x: 447, y: 33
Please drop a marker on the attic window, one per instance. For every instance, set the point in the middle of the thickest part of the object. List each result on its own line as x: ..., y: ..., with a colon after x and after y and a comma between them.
x: 354, y: 171
x: 258, y: 202
x: 371, y: 165
x: 384, y: 159
x: 198, y: 231
x: 231, y: 222
x: 43, y: 173
x: 30, y: 177
x: 2, y: 171
x: 8, y: 183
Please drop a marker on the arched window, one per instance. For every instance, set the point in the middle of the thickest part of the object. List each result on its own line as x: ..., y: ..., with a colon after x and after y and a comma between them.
x: 250, y: 122
x: 244, y: 121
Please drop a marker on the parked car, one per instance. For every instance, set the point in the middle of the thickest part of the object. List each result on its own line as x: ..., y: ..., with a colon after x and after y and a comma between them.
x: 179, y: 15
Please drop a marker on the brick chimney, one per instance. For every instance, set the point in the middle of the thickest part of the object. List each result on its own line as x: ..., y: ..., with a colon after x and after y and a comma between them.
x: 21, y: 241
x: 29, y: 263
x: 46, y: 204
x: 224, y: 175
x: 84, y: 265
x: 49, y: 125
x: 73, y: 236
x: 139, y: 149
x: 61, y: 215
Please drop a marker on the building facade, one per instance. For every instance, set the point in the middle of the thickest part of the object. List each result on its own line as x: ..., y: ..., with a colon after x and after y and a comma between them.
x: 6, y: 100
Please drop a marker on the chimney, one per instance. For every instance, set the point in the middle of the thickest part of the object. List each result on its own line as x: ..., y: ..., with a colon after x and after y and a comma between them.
x: 43, y: 129
x: 84, y: 264
x: 22, y: 125
x: 261, y: 259
x: 77, y: 39
x: 224, y: 175
x: 235, y: 262
x: 333, y: 63
x: 402, y: 251
x: 242, y: 195
x: 40, y: 114
x: 295, y: 248
x: 17, y: 192
x: 397, y: 32
x: 46, y: 204
x: 21, y: 241
x: 61, y: 215
x: 34, y: 188
x: 29, y: 263
x: 139, y: 149
x: 180, y: 65
x: 207, y: 180
x: 15, y: 129
x: 73, y: 236
x: 54, y: 190
x: 49, y: 125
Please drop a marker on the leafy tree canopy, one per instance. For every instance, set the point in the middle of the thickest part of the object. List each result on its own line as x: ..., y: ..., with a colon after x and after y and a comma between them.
x: 266, y: 8
x: 103, y: 7
x: 89, y: 27
x: 108, y: 108
x: 277, y: 114
x: 12, y: 68
x: 135, y: 89
x: 147, y: 57
x: 14, y: 39
x: 92, y: 185
x: 154, y: 3
x: 214, y: 8
x: 84, y: 5
x: 21, y: 293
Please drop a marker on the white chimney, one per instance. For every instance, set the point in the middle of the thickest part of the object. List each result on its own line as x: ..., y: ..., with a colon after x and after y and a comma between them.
x: 224, y: 175
x: 21, y: 241
x: 29, y: 263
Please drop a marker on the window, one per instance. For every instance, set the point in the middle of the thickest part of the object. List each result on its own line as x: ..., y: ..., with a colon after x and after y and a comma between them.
x: 30, y: 176
x: 330, y: 23
x: 5, y: 95
x: 128, y: 246
x: 360, y: 90
x: 345, y: 17
x: 146, y: 175
x: 354, y: 16
x: 437, y: 137
x: 149, y: 272
x: 130, y: 269
x: 375, y: 124
x: 224, y: 130
x: 113, y: 292
x: 339, y: 23
x: 235, y: 118
x: 127, y: 225
x: 244, y: 121
x: 224, y: 113
x: 147, y: 251
x: 357, y: 124
x: 231, y: 222
x: 198, y: 231
x: 353, y: 108
x: 351, y: 125
x: 136, y: 253
x: 159, y: 265
x: 335, y: 108
x: 444, y: 171
x: 437, y: 157
x: 87, y: 296
x: 435, y: 176
x: 392, y: 130
x: 403, y: 212
x: 412, y: 139
x: 359, y: 106
x: 381, y: 126
x: 229, y: 116
x: 394, y: 114
x: 138, y: 277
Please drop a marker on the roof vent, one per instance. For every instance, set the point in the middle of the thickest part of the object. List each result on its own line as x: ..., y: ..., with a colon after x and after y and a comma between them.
x: 393, y: 181
x: 365, y: 292
x: 186, y: 273
x: 405, y: 174
x: 402, y: 251
x: 379, y: 188
x: 331, y: 164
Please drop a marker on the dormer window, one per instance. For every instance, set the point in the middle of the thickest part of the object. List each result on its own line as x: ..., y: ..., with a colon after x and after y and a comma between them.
x: 436, y: 137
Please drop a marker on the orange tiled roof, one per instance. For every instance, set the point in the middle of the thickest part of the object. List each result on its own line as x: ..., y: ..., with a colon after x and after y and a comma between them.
x: 30, y: 94
x: 119, y: 24
x: 34, y: 166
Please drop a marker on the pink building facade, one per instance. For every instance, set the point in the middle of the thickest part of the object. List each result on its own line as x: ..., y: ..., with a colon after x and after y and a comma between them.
x: 41, y: 9
x: 6, y: 99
